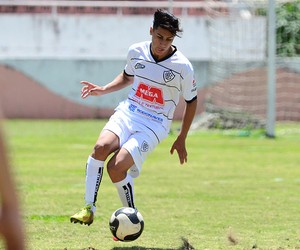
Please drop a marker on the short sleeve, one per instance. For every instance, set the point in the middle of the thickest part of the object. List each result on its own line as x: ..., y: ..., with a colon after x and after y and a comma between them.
x: 129, y: 69
x: 188, y: 83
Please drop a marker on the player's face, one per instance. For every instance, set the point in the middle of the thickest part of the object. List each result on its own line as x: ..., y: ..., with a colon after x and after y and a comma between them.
x: 162, y: 40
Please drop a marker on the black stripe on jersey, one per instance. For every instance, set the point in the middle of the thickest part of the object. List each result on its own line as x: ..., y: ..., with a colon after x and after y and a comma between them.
x: 191, y: 100
x: 153, y: 133
x: 139, y: 59
x: 159, y: 83
x: 127, y: 74
x: 171, y: 101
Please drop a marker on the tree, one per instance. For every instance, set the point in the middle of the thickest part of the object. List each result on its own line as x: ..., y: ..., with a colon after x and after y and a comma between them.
x: 288, y: 29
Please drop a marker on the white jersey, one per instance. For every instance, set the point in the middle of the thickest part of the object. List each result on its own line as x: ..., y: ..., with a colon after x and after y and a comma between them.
x: 157, y: 85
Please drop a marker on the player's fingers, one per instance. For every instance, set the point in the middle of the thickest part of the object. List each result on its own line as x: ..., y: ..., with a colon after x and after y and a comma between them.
x: 86, y: 83
x: 85, y: 93
x: 84, y: 88
x: 183, y: 157
x: 93, y: 91
x: 172, y: 150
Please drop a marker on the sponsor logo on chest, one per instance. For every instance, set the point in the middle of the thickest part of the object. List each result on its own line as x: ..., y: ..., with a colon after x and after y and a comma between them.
x: 150, y: 93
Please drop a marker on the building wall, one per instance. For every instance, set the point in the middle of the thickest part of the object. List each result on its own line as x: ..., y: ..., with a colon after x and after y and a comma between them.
x: 54, y: 52
x: 90, y: 36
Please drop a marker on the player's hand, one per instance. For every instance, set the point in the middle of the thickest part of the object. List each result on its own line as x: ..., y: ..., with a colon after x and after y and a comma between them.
x: 90, y: 89
x: 179, y: 146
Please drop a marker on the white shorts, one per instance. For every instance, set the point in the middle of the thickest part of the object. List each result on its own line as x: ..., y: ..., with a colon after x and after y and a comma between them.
x: 139, y: 140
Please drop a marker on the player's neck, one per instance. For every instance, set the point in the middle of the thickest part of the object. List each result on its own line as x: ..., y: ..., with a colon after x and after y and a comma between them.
x: 159, y: 58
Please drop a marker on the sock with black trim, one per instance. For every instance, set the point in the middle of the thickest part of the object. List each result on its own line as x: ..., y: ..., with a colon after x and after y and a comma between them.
x: 126, y: 191
x: 93, y: 177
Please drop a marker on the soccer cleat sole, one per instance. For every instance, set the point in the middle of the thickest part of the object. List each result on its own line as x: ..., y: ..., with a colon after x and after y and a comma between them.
x: 73, y: 220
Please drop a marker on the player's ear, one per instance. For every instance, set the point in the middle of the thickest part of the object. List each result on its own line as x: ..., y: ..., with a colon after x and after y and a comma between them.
x: 151, y: 31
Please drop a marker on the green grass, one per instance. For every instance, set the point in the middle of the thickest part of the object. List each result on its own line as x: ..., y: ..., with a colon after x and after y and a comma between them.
x: 235, y: 192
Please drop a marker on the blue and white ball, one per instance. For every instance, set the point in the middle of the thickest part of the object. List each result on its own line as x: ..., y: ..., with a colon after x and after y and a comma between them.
x: 126, y: 224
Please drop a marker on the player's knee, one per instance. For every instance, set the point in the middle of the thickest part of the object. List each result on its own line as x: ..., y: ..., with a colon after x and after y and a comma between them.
x: 101, y: 150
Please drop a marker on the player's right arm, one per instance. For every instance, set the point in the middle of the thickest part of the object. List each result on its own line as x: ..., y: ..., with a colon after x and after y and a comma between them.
x: 121, y: 81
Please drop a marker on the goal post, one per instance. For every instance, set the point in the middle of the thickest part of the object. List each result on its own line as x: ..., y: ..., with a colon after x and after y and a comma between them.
x: 271, y: 104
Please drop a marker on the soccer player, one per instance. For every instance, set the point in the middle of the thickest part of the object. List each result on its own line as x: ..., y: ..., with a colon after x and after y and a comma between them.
x: 11, y: 227
x: 158, y: 74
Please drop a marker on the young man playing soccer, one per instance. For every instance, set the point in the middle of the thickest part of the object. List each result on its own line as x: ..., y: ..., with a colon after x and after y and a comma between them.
x: 158, y: 74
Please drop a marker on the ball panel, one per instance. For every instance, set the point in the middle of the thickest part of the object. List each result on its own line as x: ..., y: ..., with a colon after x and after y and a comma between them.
x: 140, y: 217
x: 127, y: 227
x: 126, y: 224
x: 113, y: 225
x: 136, y: 235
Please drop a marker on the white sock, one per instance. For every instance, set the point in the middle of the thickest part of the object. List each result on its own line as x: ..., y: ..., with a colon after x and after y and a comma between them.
x: 126, y: 191
x: 94, y: 172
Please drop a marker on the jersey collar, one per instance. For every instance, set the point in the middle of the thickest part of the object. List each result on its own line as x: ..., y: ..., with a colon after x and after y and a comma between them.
x: 166, y: 57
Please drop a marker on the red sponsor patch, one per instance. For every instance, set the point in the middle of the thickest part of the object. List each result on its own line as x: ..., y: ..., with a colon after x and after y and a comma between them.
x: 150, y: 94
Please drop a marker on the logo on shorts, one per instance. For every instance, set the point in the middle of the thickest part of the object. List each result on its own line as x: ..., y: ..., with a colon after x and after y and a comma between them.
x: 168, y: 76
x: 145, y: 146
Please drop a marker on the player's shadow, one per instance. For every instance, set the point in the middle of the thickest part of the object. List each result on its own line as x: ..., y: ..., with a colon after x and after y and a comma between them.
x: 185, y: 246
x: 141, y: 248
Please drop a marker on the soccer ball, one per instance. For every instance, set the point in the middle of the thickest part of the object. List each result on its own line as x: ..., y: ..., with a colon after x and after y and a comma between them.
x: 126, y: 224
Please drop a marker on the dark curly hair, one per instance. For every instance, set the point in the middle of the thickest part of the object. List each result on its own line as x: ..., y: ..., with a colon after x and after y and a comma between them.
x: 166, y: 20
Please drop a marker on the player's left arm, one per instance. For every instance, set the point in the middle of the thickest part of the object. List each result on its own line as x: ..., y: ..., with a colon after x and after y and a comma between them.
x: 121, y: 81
x: 188, y: 116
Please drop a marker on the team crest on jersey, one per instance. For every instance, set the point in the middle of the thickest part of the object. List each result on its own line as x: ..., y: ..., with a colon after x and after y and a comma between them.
x: 168, y: 76
x: 144, y: 146
x: 139, y: 66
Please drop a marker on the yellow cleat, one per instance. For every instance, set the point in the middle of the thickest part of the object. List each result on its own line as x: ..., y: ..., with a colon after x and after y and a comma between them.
x: 85, y: 216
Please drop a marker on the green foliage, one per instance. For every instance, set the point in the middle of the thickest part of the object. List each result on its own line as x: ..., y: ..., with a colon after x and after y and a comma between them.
x: 234, y: 193
x: 287, y: 28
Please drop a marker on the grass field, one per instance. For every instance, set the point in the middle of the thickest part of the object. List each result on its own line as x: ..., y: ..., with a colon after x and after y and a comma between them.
x: 235, y: 192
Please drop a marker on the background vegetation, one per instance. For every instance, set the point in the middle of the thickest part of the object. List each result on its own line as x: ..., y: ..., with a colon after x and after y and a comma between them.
x: 287, y: 28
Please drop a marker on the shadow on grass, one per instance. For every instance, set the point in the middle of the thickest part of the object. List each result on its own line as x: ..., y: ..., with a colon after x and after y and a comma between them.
x: 140, y: 248
x: 185, y: 246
